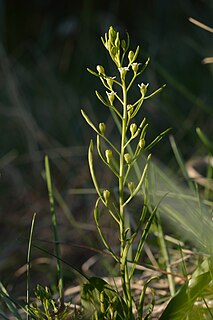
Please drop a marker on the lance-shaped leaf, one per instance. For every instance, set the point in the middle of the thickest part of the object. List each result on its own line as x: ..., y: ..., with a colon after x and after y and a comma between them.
x: 96, y: 130
x: 93, y: 73
x: 91, y: 167
x: 99, y: 96
x: 180, y: 305
x: 155, y: 92
x: 89, y: 121
x: 144, y: 67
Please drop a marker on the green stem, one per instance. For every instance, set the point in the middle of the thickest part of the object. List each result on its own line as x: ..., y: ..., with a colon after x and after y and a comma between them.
x: 124, y: 224
x: 55, y: 229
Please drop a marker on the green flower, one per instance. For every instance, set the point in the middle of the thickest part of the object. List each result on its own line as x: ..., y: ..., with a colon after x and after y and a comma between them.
x: 143, y: 88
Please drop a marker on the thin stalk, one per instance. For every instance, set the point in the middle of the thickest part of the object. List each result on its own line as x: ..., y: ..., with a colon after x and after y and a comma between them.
x: 55, y: 229
x: 124, y: 223
x: 28, y: 262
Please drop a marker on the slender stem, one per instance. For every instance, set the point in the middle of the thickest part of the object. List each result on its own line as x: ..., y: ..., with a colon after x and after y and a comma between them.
x: 55, y: 229
x: 124, y: 221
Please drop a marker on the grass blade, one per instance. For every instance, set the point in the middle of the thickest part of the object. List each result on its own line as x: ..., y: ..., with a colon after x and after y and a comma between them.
x: 9, y: 302
x: 55, y: 228
x: 28, y: 261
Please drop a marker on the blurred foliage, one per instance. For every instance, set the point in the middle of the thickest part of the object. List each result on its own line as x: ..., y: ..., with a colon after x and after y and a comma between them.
x: 49, y: 44
x: 45, y: 48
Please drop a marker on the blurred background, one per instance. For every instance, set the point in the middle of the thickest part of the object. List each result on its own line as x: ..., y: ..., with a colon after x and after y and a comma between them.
x: 45, y: 48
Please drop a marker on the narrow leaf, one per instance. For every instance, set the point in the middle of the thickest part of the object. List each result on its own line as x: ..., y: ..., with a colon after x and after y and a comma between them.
x: 99, y: 96
x: 144, y: 67
x: 55, y: 227
x: 9, y: 302
x: 89, y: 121
x: 155, y: 92
x: 142, y: 296
x: 93, y: 72
x: 91, y: 167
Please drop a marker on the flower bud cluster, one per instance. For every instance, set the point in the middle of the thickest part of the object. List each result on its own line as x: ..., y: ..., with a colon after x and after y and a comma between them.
x: 112, y: 44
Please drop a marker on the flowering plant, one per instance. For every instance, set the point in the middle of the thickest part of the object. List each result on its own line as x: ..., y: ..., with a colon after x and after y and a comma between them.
x: 121, y: 160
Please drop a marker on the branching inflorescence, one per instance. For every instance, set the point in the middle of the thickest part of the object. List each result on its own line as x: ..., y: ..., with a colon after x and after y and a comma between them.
x: 121, y: 159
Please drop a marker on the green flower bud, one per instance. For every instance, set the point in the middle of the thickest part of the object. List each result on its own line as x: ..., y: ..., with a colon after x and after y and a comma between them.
x: 109, y: 81
x: 129, y: 109
x: 102, y: 127
x: 133, y: 128
x: 131, y: 187
x: 143, y: 88
x: 106, y: 195
x: 131, y: 56
x: 111, y: 96
x: 123, y: 44
x: 141, y: 143
x: 108, y: 154
x: 127, y: 158
x: 117, y: 40
x: 112, y: 34
x: 100, y: 70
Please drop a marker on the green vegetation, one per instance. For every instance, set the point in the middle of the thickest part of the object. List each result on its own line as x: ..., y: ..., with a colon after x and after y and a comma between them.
x: 150, y: 226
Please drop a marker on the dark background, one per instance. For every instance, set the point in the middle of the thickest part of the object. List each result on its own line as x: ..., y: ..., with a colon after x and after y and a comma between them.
x: 45, y: 48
